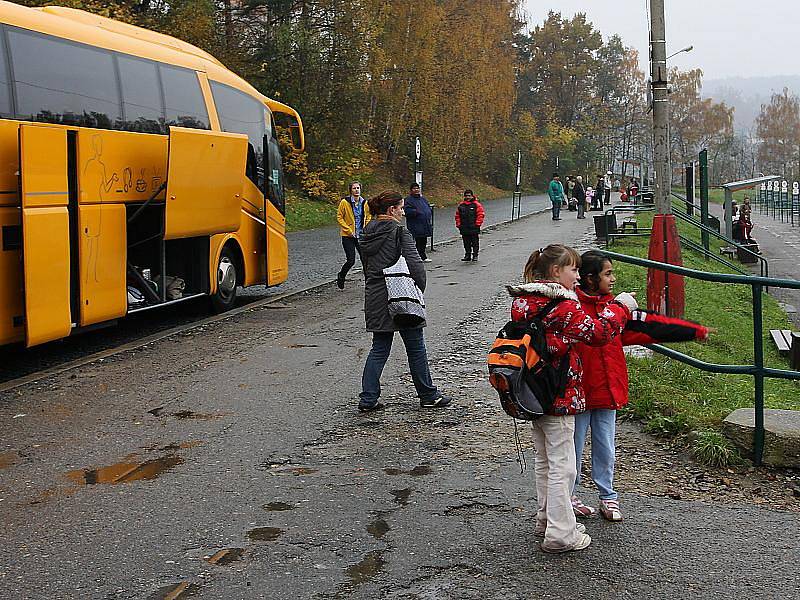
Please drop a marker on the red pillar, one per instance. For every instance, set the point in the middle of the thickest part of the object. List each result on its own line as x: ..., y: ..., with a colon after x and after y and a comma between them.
x: 665, y: 291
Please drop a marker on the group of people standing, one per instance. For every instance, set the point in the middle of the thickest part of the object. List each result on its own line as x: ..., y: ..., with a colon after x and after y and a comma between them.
x: 585, y: 332
x: 354, y: 214
x: 581, y: 198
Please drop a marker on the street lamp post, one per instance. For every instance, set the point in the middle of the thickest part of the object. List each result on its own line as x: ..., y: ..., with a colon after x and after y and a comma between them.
x: 665, y: 291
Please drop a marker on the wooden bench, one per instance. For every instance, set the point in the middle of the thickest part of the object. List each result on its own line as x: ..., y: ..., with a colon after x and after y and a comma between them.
x: 788, y: 343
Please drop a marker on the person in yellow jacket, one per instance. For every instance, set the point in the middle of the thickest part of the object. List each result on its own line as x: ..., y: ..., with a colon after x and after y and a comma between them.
x: 353, y: 215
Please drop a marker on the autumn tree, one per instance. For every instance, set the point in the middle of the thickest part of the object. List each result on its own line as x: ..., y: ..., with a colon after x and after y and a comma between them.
x: 695, y: 122
x: 778, y: 128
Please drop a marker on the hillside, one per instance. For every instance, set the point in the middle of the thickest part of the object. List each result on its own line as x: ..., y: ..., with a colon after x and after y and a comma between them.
x: 747, y: 94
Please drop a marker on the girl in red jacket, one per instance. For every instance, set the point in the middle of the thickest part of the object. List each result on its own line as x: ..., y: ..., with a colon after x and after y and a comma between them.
x: 606, y: 381
x: 552, y: 273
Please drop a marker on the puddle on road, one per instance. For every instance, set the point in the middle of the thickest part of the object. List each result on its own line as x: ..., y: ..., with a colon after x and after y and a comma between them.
x: 225, y: 556
x: 188, y: 414
x: 401, y: 496
x: 378, y: 528
x: 125, y: 472
x: 265, y: 534
x: 417, y: 471
x: 174, y: 591
x: 298, y: 471
x: 7, y: 459
x: 278, y: 506
x: 302, y: 346
x: 363, y: 571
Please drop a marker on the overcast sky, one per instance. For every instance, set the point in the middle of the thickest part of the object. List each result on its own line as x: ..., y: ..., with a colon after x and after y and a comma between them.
x: 731, y: 38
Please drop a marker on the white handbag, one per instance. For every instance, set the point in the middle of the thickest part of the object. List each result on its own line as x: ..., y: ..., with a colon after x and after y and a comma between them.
x: 406, y: 301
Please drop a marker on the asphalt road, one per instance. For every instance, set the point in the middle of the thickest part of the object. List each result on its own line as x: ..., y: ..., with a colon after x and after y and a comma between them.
x: 315, y: 257
x: 129, y: 478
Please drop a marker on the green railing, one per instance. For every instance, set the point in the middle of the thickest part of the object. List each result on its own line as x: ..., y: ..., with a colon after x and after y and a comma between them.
x: 757, y: 369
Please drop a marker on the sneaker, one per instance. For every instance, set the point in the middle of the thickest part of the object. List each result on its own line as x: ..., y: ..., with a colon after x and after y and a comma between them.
x: 370, y: 407
x: 466, y: 259
x: 581, y: 510
x: 610, y: 510
x: 340, y: 282
x: 583, y: 542
x: 426, y: 260
x: 541, y: 527
x: 439, y: 402
x: 475, y: 258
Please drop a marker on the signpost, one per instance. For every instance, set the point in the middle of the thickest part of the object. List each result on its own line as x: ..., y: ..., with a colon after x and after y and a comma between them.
x: 516, y: 200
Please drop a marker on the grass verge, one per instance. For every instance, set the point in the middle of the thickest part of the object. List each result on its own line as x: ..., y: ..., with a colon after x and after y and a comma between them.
x: 673, y: 398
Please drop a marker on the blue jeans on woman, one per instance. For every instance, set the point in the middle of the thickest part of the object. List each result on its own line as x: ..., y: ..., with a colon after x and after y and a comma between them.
x: 603, y: 423
x: 417, y: 361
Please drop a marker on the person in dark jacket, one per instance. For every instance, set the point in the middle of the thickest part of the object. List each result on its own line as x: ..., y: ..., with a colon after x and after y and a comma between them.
x: 380, y: 250
x: 580, y: 196
x: 599, y: 193
x: 419, y: 219
x: 469, y: 218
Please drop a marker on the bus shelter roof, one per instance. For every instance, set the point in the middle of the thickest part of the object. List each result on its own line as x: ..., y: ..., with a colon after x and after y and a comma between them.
x: 746, y: 184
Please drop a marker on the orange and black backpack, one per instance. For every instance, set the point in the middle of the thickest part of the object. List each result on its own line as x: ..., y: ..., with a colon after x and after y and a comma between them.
x: 520, y: 368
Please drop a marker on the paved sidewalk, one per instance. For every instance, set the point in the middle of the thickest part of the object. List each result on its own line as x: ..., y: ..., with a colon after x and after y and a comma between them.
x: 780, y: 245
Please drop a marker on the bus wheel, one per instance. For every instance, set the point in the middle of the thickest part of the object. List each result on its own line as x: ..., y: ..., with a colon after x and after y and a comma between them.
x: 225, y: 296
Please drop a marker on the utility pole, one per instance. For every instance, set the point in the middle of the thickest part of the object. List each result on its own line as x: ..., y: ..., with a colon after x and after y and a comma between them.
x: 665, y: 291
x: 658, y: 78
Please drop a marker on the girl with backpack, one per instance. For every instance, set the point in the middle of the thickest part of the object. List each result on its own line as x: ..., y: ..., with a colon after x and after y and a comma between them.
x: 606, y: 386
x: 552, y: 273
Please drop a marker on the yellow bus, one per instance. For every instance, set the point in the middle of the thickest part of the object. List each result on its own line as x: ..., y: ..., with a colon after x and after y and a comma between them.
x: 135, y: 171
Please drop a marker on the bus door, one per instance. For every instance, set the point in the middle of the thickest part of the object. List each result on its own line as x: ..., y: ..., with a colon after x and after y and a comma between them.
x: 277, y: 245
x: 204, y: 182
x: 46, y: 249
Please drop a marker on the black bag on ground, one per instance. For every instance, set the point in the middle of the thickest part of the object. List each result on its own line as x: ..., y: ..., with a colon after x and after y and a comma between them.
x: 520, y: 368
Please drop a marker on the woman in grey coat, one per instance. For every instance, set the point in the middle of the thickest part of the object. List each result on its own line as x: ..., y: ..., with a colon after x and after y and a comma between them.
x: 379, y: 247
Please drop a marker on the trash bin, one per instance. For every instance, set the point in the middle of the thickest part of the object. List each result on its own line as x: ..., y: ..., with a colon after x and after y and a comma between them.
x: 713, y: 223
x: 746, y: 257
x: 603, y: 224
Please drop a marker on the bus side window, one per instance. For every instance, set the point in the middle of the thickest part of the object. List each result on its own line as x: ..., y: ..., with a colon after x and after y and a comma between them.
x: 63, y: 82
x: 183, y: 97
x: 241, y: 113
x: 5, y: 94
x: 275, y: 190
x: 141, y: 95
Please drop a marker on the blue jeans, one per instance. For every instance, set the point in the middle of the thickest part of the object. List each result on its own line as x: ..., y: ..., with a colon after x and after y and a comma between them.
x: 556, y: 208
x: 417, y: 362
x: 603, y: 423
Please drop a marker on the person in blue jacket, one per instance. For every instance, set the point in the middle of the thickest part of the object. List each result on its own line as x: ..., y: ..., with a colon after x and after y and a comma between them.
x: 419, y: 220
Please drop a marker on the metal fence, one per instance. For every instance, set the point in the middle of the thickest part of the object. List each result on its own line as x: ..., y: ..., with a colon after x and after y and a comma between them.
x: 780, y: 200
x: 757, y: 370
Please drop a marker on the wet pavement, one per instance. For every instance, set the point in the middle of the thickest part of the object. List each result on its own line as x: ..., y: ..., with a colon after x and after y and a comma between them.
x: 315, y: 257
x: 109, y: 489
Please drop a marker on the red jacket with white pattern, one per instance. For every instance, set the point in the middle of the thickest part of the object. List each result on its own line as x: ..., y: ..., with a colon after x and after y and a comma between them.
x: 605, y: 379
x: 565, y: 326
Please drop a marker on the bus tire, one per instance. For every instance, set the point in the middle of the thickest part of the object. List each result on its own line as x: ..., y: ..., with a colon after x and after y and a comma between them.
x: 225, y: 296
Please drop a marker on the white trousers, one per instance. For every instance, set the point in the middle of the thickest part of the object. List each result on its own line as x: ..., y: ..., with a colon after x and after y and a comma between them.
x: 553, y: 440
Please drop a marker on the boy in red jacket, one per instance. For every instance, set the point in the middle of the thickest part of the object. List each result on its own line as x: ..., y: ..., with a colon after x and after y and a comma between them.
x: 606, y: 380
x: 469, y: 218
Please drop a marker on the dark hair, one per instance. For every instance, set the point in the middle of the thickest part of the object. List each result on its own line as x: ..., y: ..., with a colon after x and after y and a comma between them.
x: 555, y: 175
x: 541, y: 261
x: 350, y: 187
x: 380, y: 204
x: 414, y: 185
x: 469, y: 191
x: 592, y: 263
